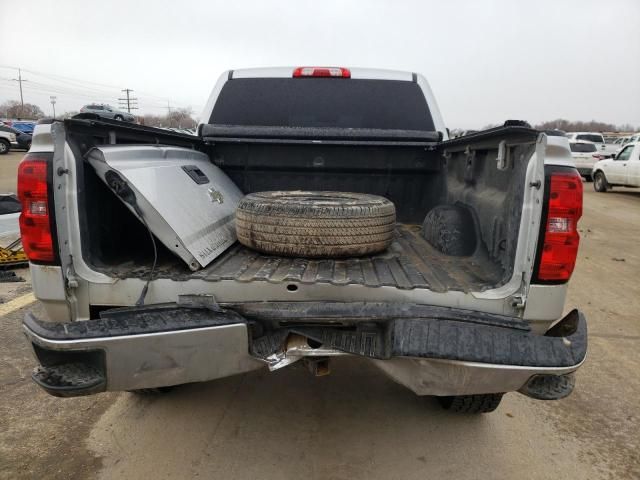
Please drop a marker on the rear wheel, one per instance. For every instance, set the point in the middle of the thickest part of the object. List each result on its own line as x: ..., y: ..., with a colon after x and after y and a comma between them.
x: 483, y: 403
x: 600, y: 183
x: 118, y: 117
x: 4, y: 147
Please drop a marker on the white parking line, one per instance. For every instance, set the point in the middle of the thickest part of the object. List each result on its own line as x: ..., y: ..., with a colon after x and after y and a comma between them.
x: 16, y: 304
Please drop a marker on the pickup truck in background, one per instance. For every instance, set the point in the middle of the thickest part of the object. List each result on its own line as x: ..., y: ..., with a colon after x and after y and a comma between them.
x: 129, y: 232
x: 603, y: 147
x: 623, y: 170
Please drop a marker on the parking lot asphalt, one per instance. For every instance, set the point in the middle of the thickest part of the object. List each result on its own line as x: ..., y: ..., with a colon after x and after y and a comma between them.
x: 355, y: 423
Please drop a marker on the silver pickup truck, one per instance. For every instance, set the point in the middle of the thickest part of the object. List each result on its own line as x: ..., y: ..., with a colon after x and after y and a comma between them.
x: 144, y: 289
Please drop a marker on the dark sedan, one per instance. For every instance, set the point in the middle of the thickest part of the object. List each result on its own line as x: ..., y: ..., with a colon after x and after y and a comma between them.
x: 23, y: 139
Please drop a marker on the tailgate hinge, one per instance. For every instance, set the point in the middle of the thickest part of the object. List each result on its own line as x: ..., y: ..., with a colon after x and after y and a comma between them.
x: 518, y: 301
x: 503, y: 159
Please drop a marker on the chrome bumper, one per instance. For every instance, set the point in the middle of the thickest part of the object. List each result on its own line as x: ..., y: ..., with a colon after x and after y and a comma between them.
x: 148, y: 360
x: 450, y: 377
x: 184, y: 346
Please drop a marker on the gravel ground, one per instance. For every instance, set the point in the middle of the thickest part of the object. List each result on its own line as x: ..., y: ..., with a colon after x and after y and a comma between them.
x: 354, y: 423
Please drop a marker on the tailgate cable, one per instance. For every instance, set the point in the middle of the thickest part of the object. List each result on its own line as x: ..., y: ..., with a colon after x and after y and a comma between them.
x: 122, y: 190
x: 145, y: 289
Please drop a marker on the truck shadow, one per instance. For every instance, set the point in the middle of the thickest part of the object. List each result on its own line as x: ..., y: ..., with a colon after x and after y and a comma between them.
x: 355, y: 423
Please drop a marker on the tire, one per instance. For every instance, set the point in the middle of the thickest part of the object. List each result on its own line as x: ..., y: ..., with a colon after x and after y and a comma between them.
x: 484, y: 403
x: 315, y: 224
x: 600, y: 183
x: 4, y: 147
x: 451, y: 230
x: 119, y: 117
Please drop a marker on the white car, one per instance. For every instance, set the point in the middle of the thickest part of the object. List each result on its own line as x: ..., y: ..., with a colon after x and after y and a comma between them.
x: 593, y: 137
x: 585, y: 155
x: 6, y: 139
x: 623, y: 170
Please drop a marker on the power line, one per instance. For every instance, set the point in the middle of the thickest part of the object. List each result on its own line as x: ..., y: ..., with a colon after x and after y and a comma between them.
x: 130, y: 103
x: 20, y: 80
x: 72, y: 88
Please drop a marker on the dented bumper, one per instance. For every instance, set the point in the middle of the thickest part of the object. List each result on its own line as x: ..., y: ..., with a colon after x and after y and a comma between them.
x: 166, y: 345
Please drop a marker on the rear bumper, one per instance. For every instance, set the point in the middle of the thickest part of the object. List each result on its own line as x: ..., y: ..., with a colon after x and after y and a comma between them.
x: 175, y: 346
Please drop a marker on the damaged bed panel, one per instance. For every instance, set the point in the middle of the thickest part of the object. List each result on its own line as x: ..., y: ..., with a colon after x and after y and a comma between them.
x: 188, y: 203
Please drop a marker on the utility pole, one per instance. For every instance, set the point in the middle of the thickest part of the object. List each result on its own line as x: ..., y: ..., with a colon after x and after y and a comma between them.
x: 53, y: 104
x: 20, y: 80
x: 169, y: 113
x: 129, y: 102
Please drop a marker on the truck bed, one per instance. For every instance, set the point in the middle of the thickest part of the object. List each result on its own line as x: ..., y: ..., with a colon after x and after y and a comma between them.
x: 411, y: 262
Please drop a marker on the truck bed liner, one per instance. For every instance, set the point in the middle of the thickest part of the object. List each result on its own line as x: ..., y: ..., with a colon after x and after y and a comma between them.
x: 411, y: 262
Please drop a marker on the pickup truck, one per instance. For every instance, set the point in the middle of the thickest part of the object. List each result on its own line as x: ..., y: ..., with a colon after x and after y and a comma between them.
x: 130, y: 307
x: 623, y: 170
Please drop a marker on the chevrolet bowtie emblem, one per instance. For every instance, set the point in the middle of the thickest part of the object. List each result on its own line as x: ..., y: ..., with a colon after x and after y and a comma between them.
x: 215, y: 195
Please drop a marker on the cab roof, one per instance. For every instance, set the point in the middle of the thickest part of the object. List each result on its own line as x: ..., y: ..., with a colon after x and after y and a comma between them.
x: 356, y: 73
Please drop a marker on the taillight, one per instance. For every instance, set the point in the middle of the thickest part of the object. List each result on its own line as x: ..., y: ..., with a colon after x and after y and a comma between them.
x: 35, y: 225
x: 336, y: 72
x: 561, y: 237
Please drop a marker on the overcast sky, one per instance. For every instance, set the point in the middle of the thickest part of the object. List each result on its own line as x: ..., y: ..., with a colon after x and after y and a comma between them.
x: 487, y: 61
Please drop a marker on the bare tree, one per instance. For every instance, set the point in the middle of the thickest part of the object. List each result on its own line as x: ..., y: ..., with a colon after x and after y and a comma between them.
x: 181, y: 118
x: 583, y: 126
x: 13, y: 109
x: 178, y: 118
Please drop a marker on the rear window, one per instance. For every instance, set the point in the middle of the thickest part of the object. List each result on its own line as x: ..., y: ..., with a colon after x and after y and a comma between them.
x: 583, y: 147
x: 590, y: 138
x: 322, y: 102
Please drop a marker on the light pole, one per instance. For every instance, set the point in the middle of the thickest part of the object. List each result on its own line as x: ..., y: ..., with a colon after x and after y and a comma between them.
x: 53, y: 104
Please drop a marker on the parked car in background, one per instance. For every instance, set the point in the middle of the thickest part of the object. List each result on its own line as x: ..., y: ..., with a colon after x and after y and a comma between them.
x: 633, y: 138
x: 7, y: 137
x: 24, y: 126
x: 23, y: 140
x: 594, y: 137
x: 623, y: 170
x: 585, y: 155
x: 107, y: 111
x: 622, y: 141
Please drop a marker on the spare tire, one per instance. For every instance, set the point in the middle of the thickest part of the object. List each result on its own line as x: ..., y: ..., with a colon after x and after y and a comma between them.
x: 315, y: 224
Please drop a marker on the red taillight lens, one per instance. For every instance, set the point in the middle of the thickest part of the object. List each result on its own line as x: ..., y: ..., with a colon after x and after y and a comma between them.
x: 336, y: 72
x: 561, y: 238
x: 35, y: 227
